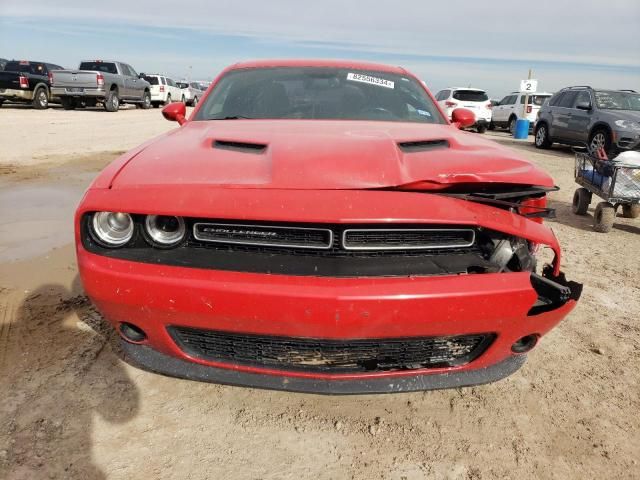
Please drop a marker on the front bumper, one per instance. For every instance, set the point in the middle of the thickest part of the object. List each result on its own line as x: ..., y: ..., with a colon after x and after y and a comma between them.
x: 15, y: 94
x: 627, y: 140
x: 154, y: 297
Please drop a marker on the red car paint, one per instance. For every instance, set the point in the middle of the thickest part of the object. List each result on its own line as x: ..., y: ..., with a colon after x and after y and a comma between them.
x: 317, y: 171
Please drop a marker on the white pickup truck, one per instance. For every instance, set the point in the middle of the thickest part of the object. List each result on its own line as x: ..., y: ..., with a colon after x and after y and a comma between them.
x: 108, y: 82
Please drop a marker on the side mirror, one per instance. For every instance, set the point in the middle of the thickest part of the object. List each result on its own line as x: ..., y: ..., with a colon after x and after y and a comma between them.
x: 176, y: 112
x: 583, y: 105
x: 462, y: 117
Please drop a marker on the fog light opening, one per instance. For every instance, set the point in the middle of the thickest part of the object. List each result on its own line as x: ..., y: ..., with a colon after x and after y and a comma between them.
x: 132, y: 333
x: 525, y: 344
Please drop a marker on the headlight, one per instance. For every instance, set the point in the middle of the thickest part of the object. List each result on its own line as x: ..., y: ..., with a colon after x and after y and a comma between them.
x: 164, y: 230
x: 112, y: 229
x: 628, y: 124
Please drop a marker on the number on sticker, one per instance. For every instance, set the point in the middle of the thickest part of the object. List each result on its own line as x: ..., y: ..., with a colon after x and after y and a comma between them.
x: 381, y: 82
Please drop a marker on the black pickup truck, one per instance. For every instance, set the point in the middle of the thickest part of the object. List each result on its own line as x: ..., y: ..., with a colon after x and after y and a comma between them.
x: 27, y: 82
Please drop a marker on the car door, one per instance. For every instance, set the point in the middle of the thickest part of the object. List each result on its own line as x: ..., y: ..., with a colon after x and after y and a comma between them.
x: 132, y: 82
x: 562, y: 113
x: 579, y: 120
x: 176, y: 94
x: 499, y: 110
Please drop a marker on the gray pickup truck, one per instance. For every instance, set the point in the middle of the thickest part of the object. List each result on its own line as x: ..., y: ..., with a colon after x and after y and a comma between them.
x: 101, y: 81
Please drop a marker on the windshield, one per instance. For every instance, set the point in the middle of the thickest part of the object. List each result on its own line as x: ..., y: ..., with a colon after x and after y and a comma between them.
x: 612, y: 100
x: 318, y: 93
x: 470, y: 96
x: 99, y: 67
x: 535, y: 99
x: 25, y: 67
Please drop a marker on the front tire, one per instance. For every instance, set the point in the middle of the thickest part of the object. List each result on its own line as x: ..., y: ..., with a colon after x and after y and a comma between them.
x: 600, y: 139
x: 581, y: 201
x: 631, y: 210
x: 512, y: 125
x: 603, y: 217
x: 112, y: 102
x: 542, y: 139
x: 481, y: 129
x: 194, y: 102
x: 168, y: 101
x: 40, y: 99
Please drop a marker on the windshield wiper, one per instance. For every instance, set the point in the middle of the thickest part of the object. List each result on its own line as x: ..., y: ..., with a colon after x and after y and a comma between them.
x: 233, y: 117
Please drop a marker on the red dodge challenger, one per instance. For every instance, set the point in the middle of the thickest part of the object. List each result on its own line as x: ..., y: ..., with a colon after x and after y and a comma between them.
x: 320, y: 226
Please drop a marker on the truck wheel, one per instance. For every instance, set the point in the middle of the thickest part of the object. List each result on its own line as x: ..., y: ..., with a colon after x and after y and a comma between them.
x: 542, y: 136
x: 481, y: 129
x: 1, y: 102
x: 40, y: 99
x: 183, y: 99
x: 112, y: 102
x: 603, y: 217
x: 155, y: 104
x: 581, y: 201
x: 168, y: 100
x: 631, y: 210
x: 194, y: 102
x: 68, y: 103
x: 146, y: 101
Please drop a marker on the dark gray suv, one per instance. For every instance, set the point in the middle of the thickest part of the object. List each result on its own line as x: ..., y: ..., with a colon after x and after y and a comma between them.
x: 590, y: 117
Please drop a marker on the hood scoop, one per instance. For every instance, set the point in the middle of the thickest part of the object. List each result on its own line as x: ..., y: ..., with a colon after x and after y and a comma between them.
x: 423, y: 145
x: 235, y: 146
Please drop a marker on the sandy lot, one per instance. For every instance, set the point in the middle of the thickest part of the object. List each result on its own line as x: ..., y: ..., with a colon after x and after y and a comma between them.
x: 71, y: 407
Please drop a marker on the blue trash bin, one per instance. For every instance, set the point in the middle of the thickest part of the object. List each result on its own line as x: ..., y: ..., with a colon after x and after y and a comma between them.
x: 522, y: 129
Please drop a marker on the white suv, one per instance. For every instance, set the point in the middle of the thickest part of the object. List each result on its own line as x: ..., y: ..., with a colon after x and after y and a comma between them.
x: 473, y: 99
x: 163, y: 90
x: 508, y: 110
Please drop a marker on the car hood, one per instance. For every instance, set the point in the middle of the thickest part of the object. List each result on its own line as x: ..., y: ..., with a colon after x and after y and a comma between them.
x: 320, y: 155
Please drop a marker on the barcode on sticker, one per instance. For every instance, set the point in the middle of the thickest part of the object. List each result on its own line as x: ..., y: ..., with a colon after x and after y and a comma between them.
x: 381, y: 82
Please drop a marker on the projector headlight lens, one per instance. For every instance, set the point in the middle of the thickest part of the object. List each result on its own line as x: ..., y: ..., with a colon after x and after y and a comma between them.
x: 112, y: 229
x: 165, y: 230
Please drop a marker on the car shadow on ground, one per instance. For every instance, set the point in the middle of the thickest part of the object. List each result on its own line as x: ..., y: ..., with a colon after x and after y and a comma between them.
x: 561, y: 151
x: 565, y: 216
x: 55, y: 345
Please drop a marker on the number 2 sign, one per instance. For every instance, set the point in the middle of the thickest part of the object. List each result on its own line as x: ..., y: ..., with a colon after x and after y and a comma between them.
x: 528, y: 86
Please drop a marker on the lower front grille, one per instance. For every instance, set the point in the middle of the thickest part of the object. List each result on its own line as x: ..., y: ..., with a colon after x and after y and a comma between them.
x: 331, y: 356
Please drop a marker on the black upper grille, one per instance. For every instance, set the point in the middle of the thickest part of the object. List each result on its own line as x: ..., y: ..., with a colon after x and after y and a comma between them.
x: 399, y: 239
x: 331, y: 356
x: 263, y: 235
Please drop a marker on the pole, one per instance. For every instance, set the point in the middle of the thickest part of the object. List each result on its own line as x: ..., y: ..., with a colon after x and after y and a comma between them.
x: 526, y: 100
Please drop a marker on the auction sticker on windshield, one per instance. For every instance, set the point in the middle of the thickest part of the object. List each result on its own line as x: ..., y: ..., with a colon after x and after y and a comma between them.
x: 358, y: 77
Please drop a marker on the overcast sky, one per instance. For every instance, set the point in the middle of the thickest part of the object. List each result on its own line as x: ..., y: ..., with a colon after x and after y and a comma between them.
x: 489, y: 44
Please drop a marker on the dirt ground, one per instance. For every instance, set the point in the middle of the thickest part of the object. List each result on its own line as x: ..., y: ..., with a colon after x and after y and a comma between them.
x: 72, y: 407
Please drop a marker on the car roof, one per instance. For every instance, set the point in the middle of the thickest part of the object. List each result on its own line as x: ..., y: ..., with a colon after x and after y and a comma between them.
x: 357, y: 65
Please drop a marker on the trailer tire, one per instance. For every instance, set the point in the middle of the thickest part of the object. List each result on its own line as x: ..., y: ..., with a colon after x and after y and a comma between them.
x: 603, y: 217
x: 581, y: 201
x: 631, y: 210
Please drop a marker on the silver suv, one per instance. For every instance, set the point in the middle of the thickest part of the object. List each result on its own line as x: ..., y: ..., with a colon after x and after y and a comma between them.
x: 595, y: 118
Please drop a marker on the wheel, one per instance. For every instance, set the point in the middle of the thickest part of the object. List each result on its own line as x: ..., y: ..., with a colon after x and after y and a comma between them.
x: 155, y: 104
x: 581, y: 201
x: 194, y: 102
x: 68, y: 103
x: 542, y: 136
x: 146, y: 101
x: 1, y: 102
x: 183, y: 99
x: 481, y: 129
x: 603, y: 217
x: 600, y: 139
x: 492, y: 126
x: 40, y: 98
x: 512, y: 125
x: 168, y: 101
x: 112, y: 102
x: 631, y: 210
